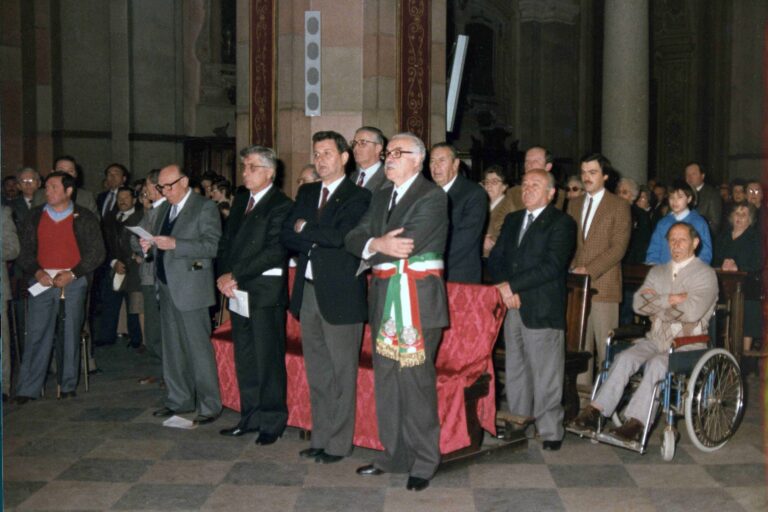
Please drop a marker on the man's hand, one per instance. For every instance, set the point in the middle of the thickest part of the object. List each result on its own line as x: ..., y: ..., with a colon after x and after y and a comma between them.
x: 165, y: 243
x: 227, y: 285
x: 729, y: 265
x: 579, y: 270
x: 43, y: 278
x: 391, y: 245
x: 648, y: 291
x: 511, y: 299
x: 488, y: 244
x: 63, y: 278
x: 677, y: 298
x: 119, y: 267
x: 299, y: 225
x: 146, y: 245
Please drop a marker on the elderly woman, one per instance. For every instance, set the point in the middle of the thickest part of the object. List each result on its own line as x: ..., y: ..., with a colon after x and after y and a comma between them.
x: 739, y: 249
x: 495, y: 185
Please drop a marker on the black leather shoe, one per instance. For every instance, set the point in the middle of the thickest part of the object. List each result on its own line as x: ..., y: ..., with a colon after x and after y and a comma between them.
x: 416, y: 484
x: 236, y: 431
x: 265, y: 439
x: 369, y: 470
x: 21, y: 400
x: 201, y: 419
x: 165, y: 412
x: 68, y: 394
x: 311, y: 453
x: 327, y: 458
x: 551, y: 445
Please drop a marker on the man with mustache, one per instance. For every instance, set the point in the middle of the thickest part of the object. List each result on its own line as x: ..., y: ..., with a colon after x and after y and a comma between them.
x: 604, y: 226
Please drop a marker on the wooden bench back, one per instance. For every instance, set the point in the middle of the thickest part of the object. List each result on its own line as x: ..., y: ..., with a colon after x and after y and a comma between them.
x: 577, y: 311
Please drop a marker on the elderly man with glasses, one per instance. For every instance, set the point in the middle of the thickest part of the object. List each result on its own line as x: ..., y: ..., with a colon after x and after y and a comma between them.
x: 403, y: 236
x: 366, y: 147
x: 188, y: 230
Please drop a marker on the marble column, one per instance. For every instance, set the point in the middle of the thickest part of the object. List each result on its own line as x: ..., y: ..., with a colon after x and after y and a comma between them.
x: 625, y: 87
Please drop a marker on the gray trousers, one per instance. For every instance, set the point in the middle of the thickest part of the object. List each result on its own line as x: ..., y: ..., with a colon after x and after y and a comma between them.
x: 626, y: 364
x: 331, y: 356
x: 603, y: 318
x: 41, y: 330
x: 406, y: 410
x: 189, y: 365
x: 535, y: 368
x: 153, y: 338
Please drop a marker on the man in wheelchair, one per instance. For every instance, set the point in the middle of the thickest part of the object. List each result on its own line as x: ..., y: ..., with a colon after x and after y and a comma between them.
x: 679, y: 297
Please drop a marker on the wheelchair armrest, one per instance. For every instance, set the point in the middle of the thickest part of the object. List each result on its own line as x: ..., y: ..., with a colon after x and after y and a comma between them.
x: 682, y: 341
x: 627, y: 332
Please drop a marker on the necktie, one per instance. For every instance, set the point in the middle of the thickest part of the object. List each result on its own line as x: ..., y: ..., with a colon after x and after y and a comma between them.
x: 251, y: 204
x: 323, y: 199
x: 109, y: 203
x: 586, y: 219
x: 174, y: 212
x: 526, y: 226
x: 361, y: 179
x: 392, y: 204
x: 121, y: 217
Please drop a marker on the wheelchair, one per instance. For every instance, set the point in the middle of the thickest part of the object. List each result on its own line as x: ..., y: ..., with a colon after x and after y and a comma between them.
x: 704, y: 386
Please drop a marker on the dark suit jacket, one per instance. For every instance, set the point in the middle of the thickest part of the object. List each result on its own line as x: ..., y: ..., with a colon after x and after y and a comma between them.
x: 251, y: 245
x: 340, y: 292
x: 118, y: 241
x: 537, y: 268
x: 710, y: 205
x: 379, y: 179
x: 468, y: 207
x: 20, y: 210
x: 423, y: 212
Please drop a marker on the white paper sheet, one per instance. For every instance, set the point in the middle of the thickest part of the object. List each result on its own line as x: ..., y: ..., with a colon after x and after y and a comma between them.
x: 140, y: 231
x: 239, y: 303
x: 37, y: 288
x: 179, y: 422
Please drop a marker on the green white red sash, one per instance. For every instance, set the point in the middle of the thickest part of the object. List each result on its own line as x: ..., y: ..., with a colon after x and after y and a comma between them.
x: 400, y: 335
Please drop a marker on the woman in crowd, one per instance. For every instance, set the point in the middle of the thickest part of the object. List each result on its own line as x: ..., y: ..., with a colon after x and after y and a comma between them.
x: 495, y: 185
x: 739, y: 249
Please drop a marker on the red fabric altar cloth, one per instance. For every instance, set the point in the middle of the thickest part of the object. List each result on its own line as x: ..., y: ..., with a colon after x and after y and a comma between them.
x: 465, y: 353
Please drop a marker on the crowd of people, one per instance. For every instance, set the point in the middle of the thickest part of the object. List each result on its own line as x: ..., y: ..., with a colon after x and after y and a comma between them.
x: 410, y: 219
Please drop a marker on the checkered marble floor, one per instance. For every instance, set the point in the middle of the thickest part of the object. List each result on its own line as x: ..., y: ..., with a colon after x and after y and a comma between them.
x: 104, y: 451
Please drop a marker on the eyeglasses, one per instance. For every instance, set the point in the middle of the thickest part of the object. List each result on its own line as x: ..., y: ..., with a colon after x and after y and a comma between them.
x: 395, y: 153
x: 169, y: 186
x: 754, y: 191
x: 574, y: 189
x: 28, y: 181
x: 361, y: 142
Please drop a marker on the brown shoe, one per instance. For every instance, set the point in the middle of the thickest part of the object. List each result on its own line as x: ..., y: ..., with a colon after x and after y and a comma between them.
x: 587, y: 419
x: 631, y: 431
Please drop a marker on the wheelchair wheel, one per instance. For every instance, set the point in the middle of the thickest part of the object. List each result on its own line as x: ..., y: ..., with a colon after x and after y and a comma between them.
x: 714, y: 402
x: 668, y: 439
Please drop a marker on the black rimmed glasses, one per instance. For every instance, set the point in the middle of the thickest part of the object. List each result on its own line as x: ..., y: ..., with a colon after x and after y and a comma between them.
x: 168, y: 186
x: 395, y: 153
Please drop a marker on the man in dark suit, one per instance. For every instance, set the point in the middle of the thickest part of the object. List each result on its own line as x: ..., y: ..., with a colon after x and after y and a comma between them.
x: 188, y: 229
x: 115, y: 175
x: 367, y: 146
x: 468, y: 210
x: 708, y: 201
x: 328, y: 296
x: 28, y: 182
x: 120, y: 260
x: 252, y: 260
x: 530, y: 263
x: 403, y: 235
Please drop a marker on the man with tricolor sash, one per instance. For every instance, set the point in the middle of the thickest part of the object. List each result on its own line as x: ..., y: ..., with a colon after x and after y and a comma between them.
x: 402, y: 237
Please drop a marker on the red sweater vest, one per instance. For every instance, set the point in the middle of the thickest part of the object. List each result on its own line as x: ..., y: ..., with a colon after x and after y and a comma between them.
x: 56, y: 243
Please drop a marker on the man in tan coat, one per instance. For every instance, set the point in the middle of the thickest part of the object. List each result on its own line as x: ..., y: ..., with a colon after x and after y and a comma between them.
x: 604, y: 226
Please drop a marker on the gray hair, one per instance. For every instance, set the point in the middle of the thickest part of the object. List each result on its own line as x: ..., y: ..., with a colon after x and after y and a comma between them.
x: 267, y: 154
x: 312, y: 168
x: 27, y: 169
x: 416, y: 141
x: 633, y: 188
x: 153, y: 176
